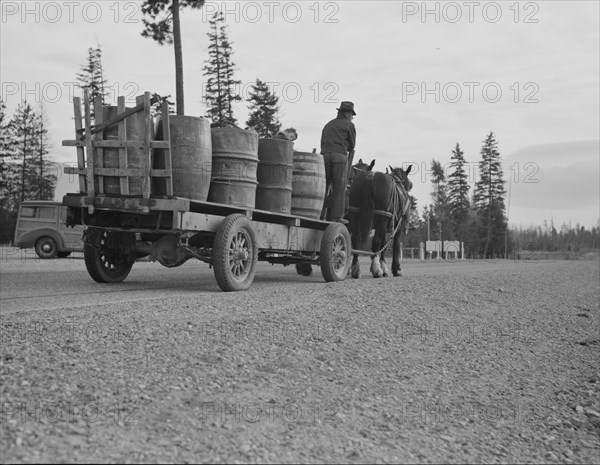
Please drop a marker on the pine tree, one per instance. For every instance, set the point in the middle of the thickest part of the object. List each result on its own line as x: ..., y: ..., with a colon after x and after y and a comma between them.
x: 488, y: 199
x: 9, y: 185
x: 439, y: 196
x: 24, y: 123
x: 220, y: 87
x: 458, y: 195
x: 92, y: 77
x: 47, y: 177
x: 35, y: 177
x: 162, y: 24
x: 263, y: 110
x: 156, y: 108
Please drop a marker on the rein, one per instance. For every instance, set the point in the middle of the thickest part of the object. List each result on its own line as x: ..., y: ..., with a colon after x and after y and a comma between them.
x: 397, y: 193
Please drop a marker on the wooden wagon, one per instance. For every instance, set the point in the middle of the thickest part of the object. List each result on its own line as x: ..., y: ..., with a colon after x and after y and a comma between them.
x: 124, y: 228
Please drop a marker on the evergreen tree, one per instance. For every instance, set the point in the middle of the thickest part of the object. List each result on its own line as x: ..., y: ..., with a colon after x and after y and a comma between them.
x: 9, y: 185
x: 92, y: 78
x: 458, y: 195
x: 46, y: 174
x: 35, y: 177
x: 439, y: 196
x: 488, y: 200
x: 24, y: 124
x: 156, y: 108
x: 162, y: 24
x: 263, y: 110
x: 220, y: 87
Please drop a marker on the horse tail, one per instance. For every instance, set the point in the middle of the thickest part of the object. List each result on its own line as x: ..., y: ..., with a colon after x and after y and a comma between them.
x: 365, y: 214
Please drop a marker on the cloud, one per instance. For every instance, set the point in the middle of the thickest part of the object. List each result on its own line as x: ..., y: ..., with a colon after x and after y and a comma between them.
x: 551, y: 177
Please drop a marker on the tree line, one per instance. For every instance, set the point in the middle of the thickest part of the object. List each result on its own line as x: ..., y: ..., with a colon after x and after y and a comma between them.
x: 479, y: 219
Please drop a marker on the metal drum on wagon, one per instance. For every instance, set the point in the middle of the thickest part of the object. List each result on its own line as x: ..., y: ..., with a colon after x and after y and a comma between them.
x: 191, y: 153
x: 274, y: 175
x: 234, y: 166
x: 308, y: 184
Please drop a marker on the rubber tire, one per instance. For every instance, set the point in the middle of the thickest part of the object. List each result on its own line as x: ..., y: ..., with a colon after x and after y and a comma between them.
x: 229, y: 231
x: 63, y: 254
x: 100, y: 266
x: 46, y: 242
x: 336, y: 236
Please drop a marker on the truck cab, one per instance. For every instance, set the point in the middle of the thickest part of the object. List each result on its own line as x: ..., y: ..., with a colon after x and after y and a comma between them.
x: 41, y: 224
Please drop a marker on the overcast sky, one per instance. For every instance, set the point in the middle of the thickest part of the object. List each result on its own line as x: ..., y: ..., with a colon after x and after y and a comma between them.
x: 422, y: 75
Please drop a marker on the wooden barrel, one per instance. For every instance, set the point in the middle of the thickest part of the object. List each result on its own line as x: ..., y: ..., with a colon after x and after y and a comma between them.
x: 308, y: 184
x: 191, y: 153
x: 274, y: 175
x: 234, y: 165
x: 136, y: 129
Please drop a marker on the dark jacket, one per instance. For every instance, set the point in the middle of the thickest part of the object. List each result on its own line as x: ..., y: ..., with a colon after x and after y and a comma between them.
x: 338, y: 136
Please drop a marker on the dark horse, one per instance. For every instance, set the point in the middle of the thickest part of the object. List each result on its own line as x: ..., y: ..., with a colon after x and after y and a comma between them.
x: 379, y: 201
x: 358, y: 170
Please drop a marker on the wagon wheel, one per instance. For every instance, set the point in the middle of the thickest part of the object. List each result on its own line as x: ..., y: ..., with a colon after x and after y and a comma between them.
x: 235, y: 253
x: 46, y: 248
x: 104, y: 257
x: 335, y: 252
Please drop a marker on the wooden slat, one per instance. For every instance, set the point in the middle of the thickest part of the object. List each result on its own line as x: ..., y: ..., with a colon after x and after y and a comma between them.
x: 118, y: 144
x: 167, y: 151
x: 89, y: 148
x: 122, y: 116
x: 98, y: 151
x: 80, y: 150
x: 145, y: 165
x: 119, y: 172
x: 122, y: 133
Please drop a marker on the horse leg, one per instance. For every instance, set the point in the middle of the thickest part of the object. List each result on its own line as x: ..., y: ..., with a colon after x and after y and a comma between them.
x: 383, y: 265
x: 378, y: 242
x: 376, y: 270
x: 396, y: 268
x: 355, y: 268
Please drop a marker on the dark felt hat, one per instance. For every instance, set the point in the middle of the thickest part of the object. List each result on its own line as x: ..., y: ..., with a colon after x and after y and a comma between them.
x: 347, y: 106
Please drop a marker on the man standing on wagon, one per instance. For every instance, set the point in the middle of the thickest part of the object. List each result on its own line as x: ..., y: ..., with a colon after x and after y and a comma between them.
x: 338, y: 139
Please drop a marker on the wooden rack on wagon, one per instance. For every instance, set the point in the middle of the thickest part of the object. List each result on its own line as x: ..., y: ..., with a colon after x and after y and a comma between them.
x: 127, y: 219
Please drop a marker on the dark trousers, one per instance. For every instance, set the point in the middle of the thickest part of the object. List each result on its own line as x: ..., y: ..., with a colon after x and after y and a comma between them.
x: 336, y: 171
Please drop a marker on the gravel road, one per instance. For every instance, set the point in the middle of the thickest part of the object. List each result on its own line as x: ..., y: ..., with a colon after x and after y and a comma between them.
x: 492, y: 362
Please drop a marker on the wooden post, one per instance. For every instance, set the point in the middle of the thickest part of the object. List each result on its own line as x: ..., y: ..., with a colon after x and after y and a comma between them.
x: 145, y: 161
x: 89, y: 149
x: 80, y: 150
x: 122, y: 136
x: 99, y: 153
x: 167, y: 152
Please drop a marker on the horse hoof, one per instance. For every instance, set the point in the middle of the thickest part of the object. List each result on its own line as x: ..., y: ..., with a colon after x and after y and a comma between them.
x: 385, y: 275
x: 397, y: 275
x: 356, y: 275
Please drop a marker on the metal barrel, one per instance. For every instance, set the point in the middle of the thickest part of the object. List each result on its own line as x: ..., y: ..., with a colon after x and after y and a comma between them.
x: 234, y: 166
x: 308, y: 184
x: 191, y: 153
x: 135, y: 129
x: 274, y: 175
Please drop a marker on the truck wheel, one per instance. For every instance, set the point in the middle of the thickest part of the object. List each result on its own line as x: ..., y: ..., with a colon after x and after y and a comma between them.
x: 235, y: 253
x: 46, y: 248
x: 335, y: 252
x: 104, y: 257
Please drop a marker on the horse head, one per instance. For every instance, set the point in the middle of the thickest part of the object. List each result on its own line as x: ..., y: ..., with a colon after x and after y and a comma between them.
x: 401, y: 176
x: 360, y: 166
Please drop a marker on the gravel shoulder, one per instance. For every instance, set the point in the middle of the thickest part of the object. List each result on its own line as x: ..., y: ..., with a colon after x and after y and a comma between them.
x: 493, y: 362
